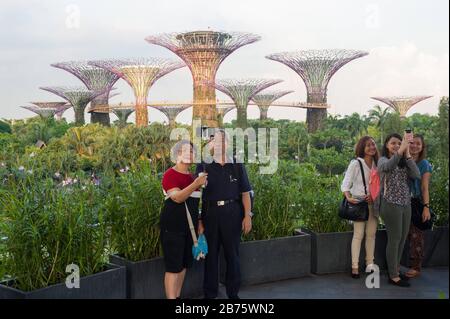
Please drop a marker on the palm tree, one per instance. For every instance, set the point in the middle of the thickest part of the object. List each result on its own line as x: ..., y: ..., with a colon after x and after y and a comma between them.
x: 379, y: 117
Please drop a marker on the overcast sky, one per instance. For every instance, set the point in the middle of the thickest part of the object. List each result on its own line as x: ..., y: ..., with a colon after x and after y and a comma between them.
x: 407, y: 40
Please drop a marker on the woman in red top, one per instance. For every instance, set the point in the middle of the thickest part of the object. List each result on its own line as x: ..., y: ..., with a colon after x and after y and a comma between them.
x: 178, y: 183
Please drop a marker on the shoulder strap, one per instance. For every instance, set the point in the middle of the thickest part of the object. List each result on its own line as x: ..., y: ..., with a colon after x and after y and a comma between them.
x: 191, y: 226
x: 363, y: 177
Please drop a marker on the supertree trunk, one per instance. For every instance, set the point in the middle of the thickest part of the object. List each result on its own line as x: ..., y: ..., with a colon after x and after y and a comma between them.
x: 100, y: 117
x: 79, y: 115
x: 316, y: 117
x: 141, y: 111
x: 206, y: 112
x: 263, y: 113
x: 241, y: 119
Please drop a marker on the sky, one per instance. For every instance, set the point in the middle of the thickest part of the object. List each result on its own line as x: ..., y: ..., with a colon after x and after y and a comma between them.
x: 407, y: 41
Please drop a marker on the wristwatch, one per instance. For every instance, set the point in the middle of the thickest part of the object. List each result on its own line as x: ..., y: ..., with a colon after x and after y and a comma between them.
x: 250, y: 214
x: 426, y: 205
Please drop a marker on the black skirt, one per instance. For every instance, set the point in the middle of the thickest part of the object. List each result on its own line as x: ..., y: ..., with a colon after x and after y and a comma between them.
x: 176, y: 238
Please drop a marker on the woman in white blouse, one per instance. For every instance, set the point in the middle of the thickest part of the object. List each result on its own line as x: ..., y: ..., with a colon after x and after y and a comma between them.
x: 353, y: 188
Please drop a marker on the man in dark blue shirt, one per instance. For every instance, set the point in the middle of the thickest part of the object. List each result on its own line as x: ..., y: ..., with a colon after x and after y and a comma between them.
x: 226, y: 212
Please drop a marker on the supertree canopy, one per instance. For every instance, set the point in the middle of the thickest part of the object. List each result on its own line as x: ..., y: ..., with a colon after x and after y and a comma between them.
x: 265, y: 99
x: 172, y: 111
x: 140, y: 74
x: 96, y: 79
x: 44, y: 112
x: 241, y: 91
x: 79, y: 97
x: 203, y: 52
x: 402, y: 104
x: 59, y: 107
x: 122, y: 113
x: 316, y: 67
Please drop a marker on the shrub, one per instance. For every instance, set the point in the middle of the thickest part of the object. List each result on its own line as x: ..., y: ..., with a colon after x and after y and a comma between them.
x: 47, y: 228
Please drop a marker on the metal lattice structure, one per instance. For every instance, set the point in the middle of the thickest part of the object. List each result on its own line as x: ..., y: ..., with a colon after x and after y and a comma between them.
x: 172, y: 111
x: 96, y: 79
x: 140, y: 74
x: 79, y: 97
x: 316, y: 67
x: 203, y: 52
x: 60, y: 107
x: 402, y: 104
x: 241, y: 91
x: 122, y: 113
x: 44, y: 112
x: 265, y: 99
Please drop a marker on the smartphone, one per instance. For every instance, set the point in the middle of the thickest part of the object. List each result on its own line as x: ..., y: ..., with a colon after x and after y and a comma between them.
x: 409, y: 135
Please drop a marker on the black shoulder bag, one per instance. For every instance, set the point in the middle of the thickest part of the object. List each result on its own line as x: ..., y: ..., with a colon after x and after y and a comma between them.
x: 355, y: 212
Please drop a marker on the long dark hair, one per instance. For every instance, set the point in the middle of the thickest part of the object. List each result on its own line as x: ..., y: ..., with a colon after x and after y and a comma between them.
x: 423, y: 152
x: 385, y: 151
x: 361, y: 145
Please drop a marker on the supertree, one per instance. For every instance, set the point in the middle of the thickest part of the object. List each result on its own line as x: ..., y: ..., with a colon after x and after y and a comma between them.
x: 203, y: 52
x: 402, y: 104
x: 59, y: 107
x: 221, y: 112
x: 78, y: 97
x: 95, y: 79
x: 172, y: 111
x: 265, y: 99
x: 140, y: 74
x: 122, y: 112
x: 44, y: 112
x: 241, y: 91
x: 316, y: 67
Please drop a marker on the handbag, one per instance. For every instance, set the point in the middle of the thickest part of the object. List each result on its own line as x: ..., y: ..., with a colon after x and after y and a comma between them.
x: 416, y: 215
x: 355, y: 212
x: 200, y: 246
x: 374, y: 183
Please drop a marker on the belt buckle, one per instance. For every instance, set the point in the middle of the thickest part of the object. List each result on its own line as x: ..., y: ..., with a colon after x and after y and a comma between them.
x: 220, y: 203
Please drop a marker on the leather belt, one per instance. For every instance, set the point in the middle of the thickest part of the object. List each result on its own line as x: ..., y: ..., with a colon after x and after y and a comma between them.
x: 222, y: 202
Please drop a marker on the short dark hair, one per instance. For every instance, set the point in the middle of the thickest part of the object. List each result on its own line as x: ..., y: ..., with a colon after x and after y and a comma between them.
x: 385, y: 151
x: 178, y: 147
x: 423, y: 152
x: 361, y: 145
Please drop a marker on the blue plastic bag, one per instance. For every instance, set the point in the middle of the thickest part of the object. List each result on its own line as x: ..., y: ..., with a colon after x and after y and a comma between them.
x: 201, y: 249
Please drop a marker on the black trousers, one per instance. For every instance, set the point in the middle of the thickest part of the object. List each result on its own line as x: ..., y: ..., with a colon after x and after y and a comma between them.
x: 223, y: 226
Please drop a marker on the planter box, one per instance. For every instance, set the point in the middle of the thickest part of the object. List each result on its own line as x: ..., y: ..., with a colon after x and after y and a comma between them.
x: 272, y: 260
x: 436, y: 248
x: 109, y: 284
x: 331, y: 252
x: 145, y: 279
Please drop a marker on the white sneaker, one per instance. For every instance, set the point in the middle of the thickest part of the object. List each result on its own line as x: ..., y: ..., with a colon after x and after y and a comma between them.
x: 371, y: 268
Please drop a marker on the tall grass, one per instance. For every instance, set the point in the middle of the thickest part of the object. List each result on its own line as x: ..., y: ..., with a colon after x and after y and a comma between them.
x: 133, y: 206
x: 48, y: 228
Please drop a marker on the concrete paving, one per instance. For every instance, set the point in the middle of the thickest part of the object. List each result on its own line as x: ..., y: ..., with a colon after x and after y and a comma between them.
x: 433, y: 283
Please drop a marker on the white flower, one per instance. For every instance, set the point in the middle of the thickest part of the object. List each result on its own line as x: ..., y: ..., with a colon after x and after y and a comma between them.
x: 2, y: 164
x: 57, y: 174
x: 30, y: 171
x: 83, y: 187
x: 21, y: 168
x: 32, y: 154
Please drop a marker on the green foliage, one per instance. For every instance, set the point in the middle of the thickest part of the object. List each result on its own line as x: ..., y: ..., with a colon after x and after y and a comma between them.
x: 5, y: 127
x: 442, y: 129
x: 133, y: 206
x: 46, y: 228
x: 393, y: 124
x: 439, y: 190
x: 329, y: 161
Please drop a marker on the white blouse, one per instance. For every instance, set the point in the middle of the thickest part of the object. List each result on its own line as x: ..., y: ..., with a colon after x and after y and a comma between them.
x: 353, y: 182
